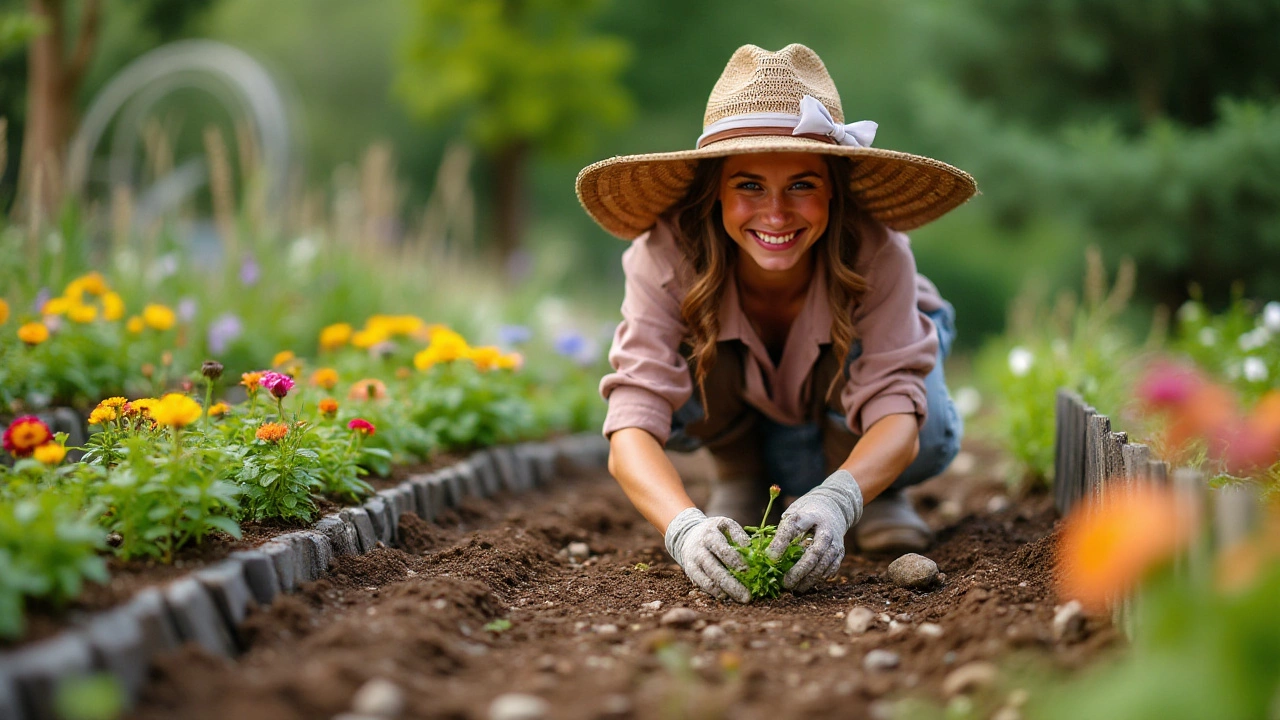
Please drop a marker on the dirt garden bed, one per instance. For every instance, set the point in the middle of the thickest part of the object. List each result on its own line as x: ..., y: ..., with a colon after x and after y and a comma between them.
x: 588, y: 636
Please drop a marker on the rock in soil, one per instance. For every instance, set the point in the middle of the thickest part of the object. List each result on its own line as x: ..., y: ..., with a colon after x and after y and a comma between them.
x: 930, y: 630
x: 378, y: 698
x: 913, y: 571
x: 518, y: 706
x: 858, y: 620
x: 878, y: 660
x: 679, y: 617
x: 969, y: 677
x: 1068, y: 622
x: 655, y: 606
x: 579, y: 551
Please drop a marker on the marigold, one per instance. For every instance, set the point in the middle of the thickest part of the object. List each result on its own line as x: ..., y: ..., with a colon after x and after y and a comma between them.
x: 366, y: 339
x: 82, y: 313
x: 282, y: 357
x: 511, y: 361
x: 251, y: 381
x: 143, y: 406
x: 368, y: 389
x: 1106, y: 548
x: 113, y: 402
x: 328, y: 407
x: 485, y: 358
x: 362, y: 426
x: 92, y: 283
x: 176, y: 410
x: 326, y: 378
x: 219, y: 409
x: 4, y: 311
x: 335, y: 336
x: 25, y: 434
x: 272, y: 432
x: 50, y: 453
x: 135, y: 325
x: 56, y: 306
x: 112, y: 307
x: 158, y: 317
x: 33, y: 333
x: 102, y: 415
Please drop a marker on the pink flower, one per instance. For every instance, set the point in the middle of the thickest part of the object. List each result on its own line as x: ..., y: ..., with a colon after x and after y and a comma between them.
x: 276, y: 383
x: 1168, y: 385
x: 362, y: 426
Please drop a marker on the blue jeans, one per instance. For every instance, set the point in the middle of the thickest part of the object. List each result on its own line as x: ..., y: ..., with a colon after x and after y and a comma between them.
x: 799, y: 457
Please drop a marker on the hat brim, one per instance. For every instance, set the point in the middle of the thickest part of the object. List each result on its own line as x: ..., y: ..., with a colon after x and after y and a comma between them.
x: 626, y: 194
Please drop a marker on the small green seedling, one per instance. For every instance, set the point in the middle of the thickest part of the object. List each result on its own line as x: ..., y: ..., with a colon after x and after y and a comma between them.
x: 499, y: 625
x: 763, y: 576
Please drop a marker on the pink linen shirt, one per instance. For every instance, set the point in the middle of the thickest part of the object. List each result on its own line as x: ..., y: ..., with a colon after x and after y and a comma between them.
x: 899, y: 345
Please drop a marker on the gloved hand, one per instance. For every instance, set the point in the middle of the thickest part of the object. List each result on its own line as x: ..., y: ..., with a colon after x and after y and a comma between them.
x: 699, y: 545
x: 828, y: 510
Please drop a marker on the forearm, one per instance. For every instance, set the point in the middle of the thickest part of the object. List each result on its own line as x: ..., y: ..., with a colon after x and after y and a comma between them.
x: 639, y: 464
x: 883, y: 452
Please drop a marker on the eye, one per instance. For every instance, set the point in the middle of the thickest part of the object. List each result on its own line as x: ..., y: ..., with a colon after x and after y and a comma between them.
x: 803, y: 185
x: 747, y: 185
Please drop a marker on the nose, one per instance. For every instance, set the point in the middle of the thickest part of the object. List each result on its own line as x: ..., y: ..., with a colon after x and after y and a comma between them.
x: 776, y: 210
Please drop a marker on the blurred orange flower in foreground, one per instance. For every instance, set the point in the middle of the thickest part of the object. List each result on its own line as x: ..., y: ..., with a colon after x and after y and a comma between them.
x: 1107, y: 547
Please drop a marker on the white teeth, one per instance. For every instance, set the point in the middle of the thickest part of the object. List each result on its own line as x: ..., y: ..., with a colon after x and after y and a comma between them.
x: 775, y: 239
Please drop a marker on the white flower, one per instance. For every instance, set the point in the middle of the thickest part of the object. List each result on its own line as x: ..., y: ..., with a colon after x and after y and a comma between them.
x: 1208, y: 337
x: 967, y: 401
x: 1254, y: 339
x: 1254, y: 369
x: 1271, y: 317
x: 1020, y: 361
x: 1190, y: 312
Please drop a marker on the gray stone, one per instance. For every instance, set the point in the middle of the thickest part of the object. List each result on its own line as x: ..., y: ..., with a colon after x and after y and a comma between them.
x: 409, y: 497
x: 679, y: 617
x: 544, y: 463
x: 282, y: 557
x: 148, y: 609
x: 313, y: 553
x: 119, y: 648
x: 1069, y: 622
x: 37, y: 670
x: 459, y: 485
x: 654, y: 606
x: 859, y: 620
x: 579, y: 551
x: 930, y: 630
x: 518, y: 706
x: 395, y: 508
x: 913, y: 571
x: 380, y: 515
x: 378, y: 698
x: 195, y: 613
x: 878, y: 660
x: 323, y: 553
x: 260, y: 573
x: 426, y: 508
x: 366, y: 538
x: 968, y: 678
x: 226, y: 584
x: 481, y: 466
x: 342, y: 535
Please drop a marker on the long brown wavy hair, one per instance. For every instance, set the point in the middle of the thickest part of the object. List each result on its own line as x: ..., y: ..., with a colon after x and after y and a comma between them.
x: 713, y: 256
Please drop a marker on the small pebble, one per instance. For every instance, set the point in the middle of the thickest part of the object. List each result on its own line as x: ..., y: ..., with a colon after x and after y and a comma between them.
x: 606, y: 629
x: 837, y: 651
x: 858, y: 620
x: 931, y: 630
x: 679, y: 617
x: 655, y: 606
x: 579, y: 551
x: 1069, y: 622
x: 878, y: 660
x: 913, y: 571
x: 518, y: 706
x: 713, y: 633
x: 969, y: 677
x: 998, y: 504
x: 897, y: 628
x: 950, y: 511
x: 379, y: 698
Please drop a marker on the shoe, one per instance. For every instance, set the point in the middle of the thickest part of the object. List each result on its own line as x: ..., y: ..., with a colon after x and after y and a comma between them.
x: 890, y: 525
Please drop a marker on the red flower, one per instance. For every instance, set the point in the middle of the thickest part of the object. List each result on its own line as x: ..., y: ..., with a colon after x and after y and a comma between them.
x: 25, y: 434
x: 362, y: 426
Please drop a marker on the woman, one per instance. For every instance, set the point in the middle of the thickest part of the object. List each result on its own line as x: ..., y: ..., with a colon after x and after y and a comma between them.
x: 773, y: 315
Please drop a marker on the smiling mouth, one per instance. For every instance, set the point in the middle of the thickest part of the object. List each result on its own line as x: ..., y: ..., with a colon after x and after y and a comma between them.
x: 776, y: 242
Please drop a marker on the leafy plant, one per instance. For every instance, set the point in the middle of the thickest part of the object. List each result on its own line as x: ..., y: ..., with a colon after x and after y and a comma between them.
x: 763, y: 576
x: 463, y: 407
x: 280, y: 473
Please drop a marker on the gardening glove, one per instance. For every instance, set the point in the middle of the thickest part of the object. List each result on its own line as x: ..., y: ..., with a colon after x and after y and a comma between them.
x: 699, y: 545
x: 828, y: 511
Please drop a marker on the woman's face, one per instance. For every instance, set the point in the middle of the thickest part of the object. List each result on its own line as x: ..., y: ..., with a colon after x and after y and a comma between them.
x: 775, y: 205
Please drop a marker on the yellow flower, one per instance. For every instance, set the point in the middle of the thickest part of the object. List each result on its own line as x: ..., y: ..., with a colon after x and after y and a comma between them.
x: 250, y: 381
x: 328, y: 407
x: 56, y: 306
x: 282, y: 357
x: 113, y: 402
x: 33, y: 333
x: 513, y: 361
x: 448, y: 344
x: 142, y: 406
x: 158, y: 317
x: 326, y: 378
x: 135, y: 325
x: 50, y: 453
x: 485, y: 358
x: 272, y: 432
x: 112, y: 307
x: 424, y: 359
x: 335, y: 336
x: 366, y: 339
x: 82, y: 313
x: 4, y: 311
x: 102, y: 415
x: 176, y: 410
x: 92, y: 283
x: 219, y: 409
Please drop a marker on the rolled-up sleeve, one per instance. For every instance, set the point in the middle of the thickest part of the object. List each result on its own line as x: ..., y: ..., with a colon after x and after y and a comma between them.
x: 899, y: 344
x: 650, y: 377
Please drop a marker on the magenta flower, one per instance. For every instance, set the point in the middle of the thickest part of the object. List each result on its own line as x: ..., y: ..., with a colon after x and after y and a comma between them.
x: 278, y: 384
x: 1169, y: 385
x: 362, y: 426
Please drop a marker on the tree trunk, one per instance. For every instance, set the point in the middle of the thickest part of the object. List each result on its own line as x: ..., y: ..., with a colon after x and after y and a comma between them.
x: 52, y: 81
x: 509, y: 201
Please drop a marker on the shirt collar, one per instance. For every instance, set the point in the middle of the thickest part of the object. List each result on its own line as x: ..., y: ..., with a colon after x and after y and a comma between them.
x: 813, y: 324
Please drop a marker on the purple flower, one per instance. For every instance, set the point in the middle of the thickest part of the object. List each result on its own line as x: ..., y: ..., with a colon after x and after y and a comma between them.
x: 249, y: 271
x: 223, y: 332
x: 511, y: 335
x: 582, y: 350
x: 187, y: 309
x: 276, y: 383
x: 42, y: 297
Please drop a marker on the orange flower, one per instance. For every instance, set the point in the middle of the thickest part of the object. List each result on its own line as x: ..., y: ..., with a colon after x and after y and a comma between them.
x: 251, y: 382
x: 328, y: 407
x: 272, y: 432
x: 219, y: 409
x: 282, y: 357
x: 368, y: 389
x: 143, y: 406
x: 485, y: 358
x: 335, y: 336
x: 102, y: 415
x: 33, y: 333
x: 4, y: 311
x: 25, y: 434
x: 326, y: 378
x: 113, y: 402
x: 1106, y: 548
x: 50, y: 453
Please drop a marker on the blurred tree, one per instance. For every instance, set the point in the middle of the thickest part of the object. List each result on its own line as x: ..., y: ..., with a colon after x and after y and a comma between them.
x: 515, y: 76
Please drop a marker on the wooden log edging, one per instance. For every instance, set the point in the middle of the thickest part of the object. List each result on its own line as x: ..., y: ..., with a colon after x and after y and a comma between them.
x: 207, y: 605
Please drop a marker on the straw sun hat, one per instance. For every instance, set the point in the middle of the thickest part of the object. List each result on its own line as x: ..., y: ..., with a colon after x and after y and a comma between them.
x: 764, y: 102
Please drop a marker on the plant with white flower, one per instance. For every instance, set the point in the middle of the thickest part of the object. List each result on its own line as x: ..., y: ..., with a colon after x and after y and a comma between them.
x: 1020, y: 361
x: 1208, y: 337
x: 1271, y: 317
x: 1255, y: 370
x: 1255, y: 338
x: 1190, y: 312
x: 967, y: 401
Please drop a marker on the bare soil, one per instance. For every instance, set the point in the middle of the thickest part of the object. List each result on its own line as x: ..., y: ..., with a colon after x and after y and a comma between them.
x: 581, y: 637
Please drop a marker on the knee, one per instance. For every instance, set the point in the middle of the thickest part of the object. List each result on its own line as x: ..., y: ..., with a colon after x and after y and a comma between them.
x: 939, y: 443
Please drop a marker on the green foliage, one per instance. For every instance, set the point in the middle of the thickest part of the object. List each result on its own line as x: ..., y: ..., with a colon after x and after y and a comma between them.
x: 1239, y: 346
x: 280, y: 477
x: 498, y: 626
x: 91, y: 697
x: 48, y: 548
x: 763, y: 576
x: 462, y: 407
x: 17, y: 29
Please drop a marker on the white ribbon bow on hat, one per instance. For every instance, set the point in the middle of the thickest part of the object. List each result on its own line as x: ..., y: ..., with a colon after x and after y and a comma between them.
x: 816, y: 119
